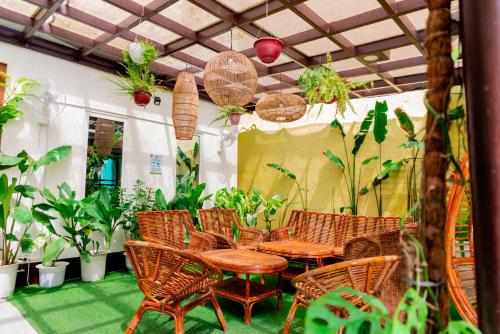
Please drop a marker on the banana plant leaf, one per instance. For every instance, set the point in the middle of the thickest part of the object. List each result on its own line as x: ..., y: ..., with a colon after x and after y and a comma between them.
x: 334, y: 159
x: 335, y: 124
x: 7, y: 162
x: 6, y: 193
x: 360, y: 137
x: 405, y: 123
x: 456, y: 113
x: 380, y: 121
x: 283, y: 170
x: 52, y: 156
x: 389, y: 167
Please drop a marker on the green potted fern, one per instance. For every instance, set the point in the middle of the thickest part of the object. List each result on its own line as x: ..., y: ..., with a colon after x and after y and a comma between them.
x: 229, y: 115
x: 324, y: 85
x: 138, y: 81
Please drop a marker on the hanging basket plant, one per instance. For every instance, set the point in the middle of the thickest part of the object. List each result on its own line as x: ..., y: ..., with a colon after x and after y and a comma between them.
x: 229, y: 115
x: 268, y: 49
x: 324, y: 85
x: 138, y: 81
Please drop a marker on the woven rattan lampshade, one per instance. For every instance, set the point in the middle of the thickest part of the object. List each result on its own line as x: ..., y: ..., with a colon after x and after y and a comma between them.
x: 185, y: 106
x: 230, y: 79
x: 104, y: 139
x: 280, y: 107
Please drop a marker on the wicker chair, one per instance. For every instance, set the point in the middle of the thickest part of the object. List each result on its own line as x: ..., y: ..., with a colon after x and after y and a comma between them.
x: 220, y: 224
x: 384, y: 243
x: 460, y: 267
x: 170, y: 227
x: 169, y: 276
x: 367, y: 275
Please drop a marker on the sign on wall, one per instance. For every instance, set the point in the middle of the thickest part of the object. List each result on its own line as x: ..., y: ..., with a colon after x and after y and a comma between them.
x: 155, y: 164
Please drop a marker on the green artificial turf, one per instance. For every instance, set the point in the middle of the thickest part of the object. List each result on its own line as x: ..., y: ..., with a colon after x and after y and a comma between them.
x: 107, y: 306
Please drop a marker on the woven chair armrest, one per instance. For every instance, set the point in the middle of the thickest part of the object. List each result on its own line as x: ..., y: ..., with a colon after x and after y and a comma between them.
x: 250, y: 236
x: 201, y: 242
x: 223, y: 241
x: 282, y: 233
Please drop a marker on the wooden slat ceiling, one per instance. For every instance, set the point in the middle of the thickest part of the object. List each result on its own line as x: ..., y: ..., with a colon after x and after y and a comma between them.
x: 188, y: 33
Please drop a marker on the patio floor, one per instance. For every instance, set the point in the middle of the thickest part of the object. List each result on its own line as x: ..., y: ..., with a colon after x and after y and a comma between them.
x: 107, y: 306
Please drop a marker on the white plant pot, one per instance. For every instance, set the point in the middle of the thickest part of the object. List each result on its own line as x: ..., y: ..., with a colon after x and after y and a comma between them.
x: 52, y: 277
x: 8, y: 276
x: 127, y: 262
x: 95, y: 269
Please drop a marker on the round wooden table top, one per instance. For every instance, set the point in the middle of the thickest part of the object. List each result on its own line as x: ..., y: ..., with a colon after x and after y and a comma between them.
x: 299, y: 249
x: 245, y: 261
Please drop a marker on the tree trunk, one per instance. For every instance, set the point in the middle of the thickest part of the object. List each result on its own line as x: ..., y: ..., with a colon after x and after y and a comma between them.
x: 440, y: 78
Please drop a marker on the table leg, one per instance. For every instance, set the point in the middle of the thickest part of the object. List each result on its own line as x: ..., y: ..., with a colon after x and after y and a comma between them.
x: 262, y: 279
x: 280, y: 292
x: 248, y: 313
x: 247, y: 286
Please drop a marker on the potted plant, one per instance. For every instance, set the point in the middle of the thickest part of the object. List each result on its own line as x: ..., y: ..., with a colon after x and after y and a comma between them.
x: 16, y: 217
x: 15, y: 93
x: 323, y: 84
x: 104, y: 215
x: 268, y: 49
x: 138, y: 81
x: 51, y: 272
x: 138, y: 199
x: 229, y: 115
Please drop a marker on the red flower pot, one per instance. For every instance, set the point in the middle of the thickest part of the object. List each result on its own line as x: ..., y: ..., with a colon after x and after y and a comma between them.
x: 234, y: 118
x: 268, y: 49
x: 329, y: 102
x: 142, y: 99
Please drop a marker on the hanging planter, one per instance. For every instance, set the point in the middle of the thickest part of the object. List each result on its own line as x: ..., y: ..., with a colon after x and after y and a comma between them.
x: 185, y: 104
x: 280, y: 107
x: 234, y: 118
x: 229, y: 114
x: 138, y: 81
x: 230, y: 79
x: 268, y: 49
x: 142, y: 99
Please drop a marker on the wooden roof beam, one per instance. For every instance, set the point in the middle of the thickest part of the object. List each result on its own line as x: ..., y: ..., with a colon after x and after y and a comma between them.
x: 42, y: 18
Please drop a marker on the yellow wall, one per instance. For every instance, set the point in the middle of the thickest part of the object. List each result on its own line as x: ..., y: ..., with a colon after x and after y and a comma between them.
x: 300, y: 150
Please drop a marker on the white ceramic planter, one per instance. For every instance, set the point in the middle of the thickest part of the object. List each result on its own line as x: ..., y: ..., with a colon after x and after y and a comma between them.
x: 127, y: 262
x: 52, y: 277
x: 8, y: 276
x: 95, y: 269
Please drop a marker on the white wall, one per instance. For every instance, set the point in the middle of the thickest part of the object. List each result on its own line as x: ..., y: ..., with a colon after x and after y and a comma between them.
x: 146, y: 131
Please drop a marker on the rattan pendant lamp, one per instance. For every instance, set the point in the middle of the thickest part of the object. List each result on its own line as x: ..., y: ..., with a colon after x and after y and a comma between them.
x: 185, y: 105
x: 280, y: 107
x: 230, y: 79
x: 104, y: 139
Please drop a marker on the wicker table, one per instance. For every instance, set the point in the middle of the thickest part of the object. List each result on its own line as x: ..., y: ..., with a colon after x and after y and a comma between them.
x: 244, y: 261
x: 300, y: 250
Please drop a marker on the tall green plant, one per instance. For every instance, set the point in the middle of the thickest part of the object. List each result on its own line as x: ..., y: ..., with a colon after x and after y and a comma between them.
x: 271, y: 207
x: 15, y: 93
x: 74, y: 222
x: 189, y: 163
x: 414, y: 146
x: 104, y: 214
x: 301, y: 192
x: 352, y: 176
x: 379, y: 134
x: 139, y: 198
x: 16, y: 214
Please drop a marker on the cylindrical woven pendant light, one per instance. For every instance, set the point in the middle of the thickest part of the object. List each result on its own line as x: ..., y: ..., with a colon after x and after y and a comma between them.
x: 185, y: 106
x: 104, y: 139
x: 280, y: 107
x: 230, y: 79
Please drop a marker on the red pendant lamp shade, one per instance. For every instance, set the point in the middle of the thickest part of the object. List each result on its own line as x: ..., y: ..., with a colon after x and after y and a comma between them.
x: 268, y: 49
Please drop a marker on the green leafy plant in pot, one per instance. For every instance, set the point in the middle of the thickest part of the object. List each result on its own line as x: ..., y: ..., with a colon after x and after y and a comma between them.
x: 228, y: 115
x: 138, y: 81
x: 104, y: 214
x: 323, y: 84
x: 15, y: 93
x: 17, y: 214
x: 51, y: 272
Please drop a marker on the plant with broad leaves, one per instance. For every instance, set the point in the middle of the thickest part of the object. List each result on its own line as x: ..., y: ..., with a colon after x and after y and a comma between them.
x: 271, y: 207
x: 414, y: 146
x: 104, y: 213
x: 75, y: 223
x: 188, y: 162
x: 301, y: 192
x: 411, y: 315
x: 348, y: 168
x: 52, y: 247
x: 15, y: 93
x: 139, y: 198
x: 15, y: 214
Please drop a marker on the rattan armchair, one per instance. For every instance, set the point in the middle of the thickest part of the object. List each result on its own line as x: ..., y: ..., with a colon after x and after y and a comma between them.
x: 220, y: 224
x: 367, y: 275
x: 168, y: 277
x: 170, y: 227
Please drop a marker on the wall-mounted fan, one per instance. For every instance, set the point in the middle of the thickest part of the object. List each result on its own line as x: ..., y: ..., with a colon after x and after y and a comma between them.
x: 45, y: 102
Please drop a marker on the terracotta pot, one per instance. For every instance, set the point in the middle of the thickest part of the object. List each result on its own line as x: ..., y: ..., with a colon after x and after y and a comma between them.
x: 234, y: 118
x: 268, y: 49
x: 142, y: 99
x: 329, y: 102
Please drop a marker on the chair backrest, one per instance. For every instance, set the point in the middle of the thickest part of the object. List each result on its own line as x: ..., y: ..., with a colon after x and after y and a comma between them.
x: 166, y: 274
x: 371, y: 225
x: 219, y: 220
x: 460, y: 266
x: 167, y: 227
x: 365, y: 275
x: 318, y: 227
